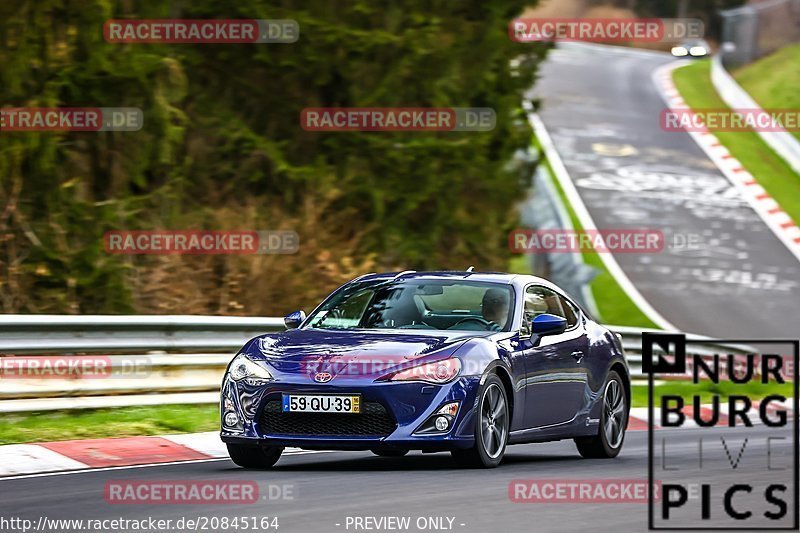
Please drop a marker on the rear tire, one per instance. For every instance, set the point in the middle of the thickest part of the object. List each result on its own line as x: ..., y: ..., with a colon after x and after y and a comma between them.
x: 254, y: 456
x: 491, y: 428
x: 613, y: 422
x: 389, y: 453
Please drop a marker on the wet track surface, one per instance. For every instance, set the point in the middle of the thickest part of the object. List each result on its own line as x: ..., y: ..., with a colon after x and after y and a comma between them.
x: 601, y: 108
x: 329, y: 487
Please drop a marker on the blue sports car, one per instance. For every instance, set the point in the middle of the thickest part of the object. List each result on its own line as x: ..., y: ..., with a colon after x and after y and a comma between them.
x: 464, y: 362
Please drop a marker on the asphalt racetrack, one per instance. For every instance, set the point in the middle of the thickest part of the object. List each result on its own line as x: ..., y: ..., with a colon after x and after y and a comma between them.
x: 327, y: 488
x: 601, y: 108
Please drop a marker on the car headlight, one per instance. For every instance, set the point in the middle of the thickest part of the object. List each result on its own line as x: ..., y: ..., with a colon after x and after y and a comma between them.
x: 698, y: 50
x: 438, y: 372
x: 679, y: 51
x: 243, y: 368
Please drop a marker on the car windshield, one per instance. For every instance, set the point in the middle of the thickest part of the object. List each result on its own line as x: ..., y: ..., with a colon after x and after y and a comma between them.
x: 418, y: 304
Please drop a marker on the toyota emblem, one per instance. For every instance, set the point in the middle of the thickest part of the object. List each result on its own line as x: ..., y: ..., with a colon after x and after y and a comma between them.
x: 323, y: 377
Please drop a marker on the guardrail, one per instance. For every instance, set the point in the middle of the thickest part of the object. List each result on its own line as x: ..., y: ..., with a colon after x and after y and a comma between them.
x: 137, y: 371
x: 129, y: 333
x: 699, y: 345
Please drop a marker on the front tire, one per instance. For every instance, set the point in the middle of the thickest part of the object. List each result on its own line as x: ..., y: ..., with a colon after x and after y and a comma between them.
x: 491, y: 428
x: 254, y: 456
x: 613, y: 422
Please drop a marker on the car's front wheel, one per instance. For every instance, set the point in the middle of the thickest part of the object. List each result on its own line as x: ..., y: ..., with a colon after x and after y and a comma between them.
x: 491, y: 428
x: 254, y: 456
x: 613, y: 421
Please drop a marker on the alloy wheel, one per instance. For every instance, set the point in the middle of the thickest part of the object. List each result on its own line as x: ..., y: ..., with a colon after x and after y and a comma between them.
x: 614, y: 406
x: 493, y: 421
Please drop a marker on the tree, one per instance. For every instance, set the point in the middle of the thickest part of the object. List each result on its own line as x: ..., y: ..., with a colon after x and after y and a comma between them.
x: 222, y: 148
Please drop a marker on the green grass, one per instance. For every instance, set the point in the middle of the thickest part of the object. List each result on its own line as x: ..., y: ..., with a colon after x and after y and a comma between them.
x: 772, y: 172
x: 98, y: 423
x: 774, y: 81
x: 519, y: 264
x: 706, y: 389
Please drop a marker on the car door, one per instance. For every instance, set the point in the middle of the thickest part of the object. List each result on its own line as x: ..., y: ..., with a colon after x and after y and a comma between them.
x: 555, y: 368
x: 517, y: 350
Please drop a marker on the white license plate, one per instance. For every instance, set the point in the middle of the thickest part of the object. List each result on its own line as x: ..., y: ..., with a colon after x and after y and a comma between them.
x: 321, y: 403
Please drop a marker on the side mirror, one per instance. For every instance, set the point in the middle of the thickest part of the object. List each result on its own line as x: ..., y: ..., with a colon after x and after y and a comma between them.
x: 547, y: 324
x: 294, y: 320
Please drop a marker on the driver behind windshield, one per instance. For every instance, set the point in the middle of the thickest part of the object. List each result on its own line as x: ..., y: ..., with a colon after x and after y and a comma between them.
x: 494, y: 308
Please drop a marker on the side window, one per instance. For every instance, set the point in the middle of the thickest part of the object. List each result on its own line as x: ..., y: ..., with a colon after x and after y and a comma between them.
x: 535, y: 302
x: 570, y: 313
x: 539, y: 300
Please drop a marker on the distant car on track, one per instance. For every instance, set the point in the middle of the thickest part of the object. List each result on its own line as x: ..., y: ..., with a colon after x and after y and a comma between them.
x: 693, y: 48
x: 464, y: 362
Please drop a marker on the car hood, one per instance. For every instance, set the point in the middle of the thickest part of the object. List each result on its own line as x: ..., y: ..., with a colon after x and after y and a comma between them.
x: 355, y: 352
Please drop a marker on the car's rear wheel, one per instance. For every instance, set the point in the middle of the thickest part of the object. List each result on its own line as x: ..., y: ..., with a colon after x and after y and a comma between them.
x: 389, y: 453
x: 254, y: 456
x: 491, y: 428
x: 613, y: 421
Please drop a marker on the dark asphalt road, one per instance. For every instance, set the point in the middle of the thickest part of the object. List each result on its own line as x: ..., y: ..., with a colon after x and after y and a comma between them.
x: 602, y: 108
x: 329, y: 487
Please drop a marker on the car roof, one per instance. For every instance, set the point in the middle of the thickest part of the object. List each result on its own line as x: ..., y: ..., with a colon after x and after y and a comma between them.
x: 493, y: 277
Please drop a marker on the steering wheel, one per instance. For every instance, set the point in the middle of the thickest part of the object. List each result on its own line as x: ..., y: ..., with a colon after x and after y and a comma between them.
x: 485, y: 323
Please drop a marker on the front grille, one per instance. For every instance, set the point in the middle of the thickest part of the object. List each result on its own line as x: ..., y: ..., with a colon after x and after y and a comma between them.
x: 373, y: 421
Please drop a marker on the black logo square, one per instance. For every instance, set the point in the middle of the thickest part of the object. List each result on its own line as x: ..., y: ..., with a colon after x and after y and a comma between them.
x: 670, y: 343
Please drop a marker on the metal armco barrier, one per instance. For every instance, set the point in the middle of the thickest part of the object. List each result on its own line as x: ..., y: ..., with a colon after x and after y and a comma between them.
x: 129, y: 333
x: 695, y: 345
x: 199, y: 347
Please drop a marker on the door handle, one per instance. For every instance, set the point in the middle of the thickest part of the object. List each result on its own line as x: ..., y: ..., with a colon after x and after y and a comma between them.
x: 578, y: 356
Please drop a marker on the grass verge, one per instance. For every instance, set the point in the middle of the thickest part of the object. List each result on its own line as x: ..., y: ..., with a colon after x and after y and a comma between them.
x: 774, y: 81
x: 48, y: 426
x: 772, y: 172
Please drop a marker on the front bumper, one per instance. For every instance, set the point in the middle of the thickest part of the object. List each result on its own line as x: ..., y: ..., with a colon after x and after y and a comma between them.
x: 408, y: 405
